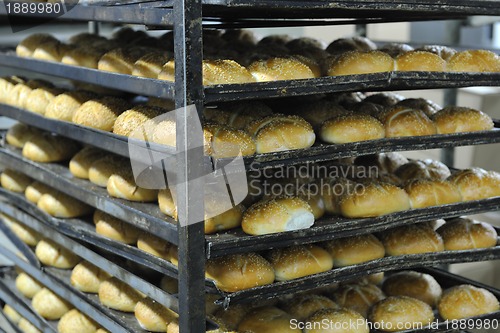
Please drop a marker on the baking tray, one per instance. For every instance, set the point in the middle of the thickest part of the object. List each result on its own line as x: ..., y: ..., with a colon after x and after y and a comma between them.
x: 320, y: 152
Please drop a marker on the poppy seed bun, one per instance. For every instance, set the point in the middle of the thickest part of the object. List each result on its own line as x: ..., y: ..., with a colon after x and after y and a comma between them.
x: 465, y: 234
x: 351, y: 128
x: 63, y: 106
x: 358, y: 62
x: 474, y: 61
x: 455, y: 119
x: 276, y: 69
x: 355, y: 250
x: 100, y: 113
x: 420, y: 61
x: 412, y: 239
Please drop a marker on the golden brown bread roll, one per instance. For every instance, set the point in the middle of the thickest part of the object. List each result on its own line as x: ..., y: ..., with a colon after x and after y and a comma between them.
x: 297, y: 261
x: 23, y: 232
x: 46, y: 148
x: 303, y: 306
x: 222, y: 141
x: 476, y: 183
x: 18, y: 95
x: 237, y: 115
x: 27, y: 46
x: 155, y: 246
x: 267, y: 320
x: 239, y: 271
x: 333, y: 192
x: 35, y: 191
x: 276, y: 69
x: 351, y: 128
x: 122, y: 185
x: 420, y: 61
x: 117, y: 295
x: 75, y: 321
x: 11, y: 314
x: 59, y: 204
x: 374, y: 199
x: 474, y: 61
x: 133, y: 118
x: 14, y: 181
x: 27, y: 286
x: 465, y: 234
x: 116, y: 229
x: 412, y: 239
x: 81, y: 162
x: 358, y: 297
x: 52, y: 254
x: 83, y: 55
x: 336, y: 320
x: 49, y: 305
x: 425, y: 193
x: 7, y: 84
x: 358, y: 62
x: 153, y: 316
x: 429, y: 107
x: 400, y: 313
x: 413, y: 284
x: 355, y: 250
x: 229, y: 219
x: 19, y: 134
x: 150, y: 65
x: 101, y: 169
x: 100, y: 113
x: 50, y: 51
x: 287, y: 214
x: 400, y: 121
x: 466, y: 301
x: 166, y: 203
x: 63, y: 106
x: 309, y: 62
x: 455, y: 119
x: 26, y: 327
x: 87, y: 277
x: 38, y: 99
x: 121, y: 60
x: 424, y: 169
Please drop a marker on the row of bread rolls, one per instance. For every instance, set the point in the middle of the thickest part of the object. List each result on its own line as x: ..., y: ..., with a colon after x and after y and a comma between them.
x: 23, y: 324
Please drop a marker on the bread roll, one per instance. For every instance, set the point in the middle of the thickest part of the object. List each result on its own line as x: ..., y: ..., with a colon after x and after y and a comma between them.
x: 474, y: 61
x: 444, y: 52
x: 122, y: 185
x: 222, y: 141
x: 396, y: 49
x: 169, y: 284
x: 303, y: 306
x: 355, y: 250
x: 466, y: 234
x: 413, y: 284
x: 100, y: 113
x: 116, y: 229
x: 39, y: 98
x: 214, y: 72
x: 386, y: 99
x: 476, y: 183
x: 75, y: 321
x: 337, y: 321
x: 374, y: 199
x: 154, y: 245
x: 19, y: 134
x: 455, y: 119
x: 276, y: 69
x: 52, y: 254
x: 14, y: 181
x: 239, y: 271
x: 117, y: 295
x: 49, y: 305
x: 412, y: 239
x: 280, y: 133
x: 121, y: 60
x: 11, y: 314
x: 351, y: 128
x: 333, y: 192
x: 400, y: 313
x: 26, y: 327
x: 87, y: 277
x: 80, y: 164
x: 267, y: 320
x: 356, y: 43
x: 425, y: 193
x: 18, y: 95
x: 400, y: 121
x: 47, y: 148
x: 133, y: 118
x: 83, y: 55
x: 309, y: 62
x: 385, y: 162
x: 286, y: 214
x: 466, y: 301
x: 298, y: 261
x: 101, y: 169
x: 6, y: 86
x: 50, y: 51
x: 166, y: 203
x: 229, y: 219
x: 317, y: 112
x: 420, y: 61
x: 425, y: 169
x: 153, y: 316
x: 357, y: 297
x: 237, y: 115
x: 61, y: 205
x: 27, y: 46
x: 27, y: 286
x: 150, y: 65
x: 35, y: 191
x: 358, y: 62
x: 429, y: 107
x: 24, y: 233
x: 63, y: 106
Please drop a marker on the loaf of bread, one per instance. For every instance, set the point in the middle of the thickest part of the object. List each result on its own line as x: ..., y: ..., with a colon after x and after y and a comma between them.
x: 476, y: 183
x: 50, y: 51
x: 75, y: 321
x: 100, y: 113
x: 27, y: 46
x: 150, y: 65
x: 122, y: 185
x: 35, y: 191
x: 46, y: 148
x: 27, y: 286
x: 63, y: 106
x: 277, y: 215
x: 134, y: 118
x: 358, y: 297
x: 83, y: 55
x: 474, y: 61
x: 355, y: 250
x: 117, y: 295
x: 425, y: 193
x: 38, y: 99
x: 23, y: 232
x: 360, y: 62
x: 297, y: 261
x: 59, y: 204
x: 303, y: 306
x: 222, y: 141
x: 374, y: 199
x: 14, y: 181
x: 155, y: 246
x: 401, y: 121
x: 49, y: 305
x: 216, y: 221
x: 455, y: 119
x: 80, y: 164
x: 52, y: 254
x: 121, y: 60
x: 26, y: 327
x: 283, y: 68
x: 239, y: 271
x: 399, y: 313
x: 412, y: 239
x: 349, y: 320
x: 101, y: 169
x: 87, y: 277
x: 11, y: 314
x: 152, y: 316
x: 351, y: 128
x: 465, y: 301
x: 7, y: 84
x: 267, y: 320
x: 420, y: 61
x: 18, y: 95
x: 115, y: 229
x: 19, y: 134
x: 413, y: 284
x: 465, y: 234
x: 424, y: 169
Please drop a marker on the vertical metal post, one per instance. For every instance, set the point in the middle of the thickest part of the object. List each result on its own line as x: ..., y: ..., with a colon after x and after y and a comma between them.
x: 188, y: 91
